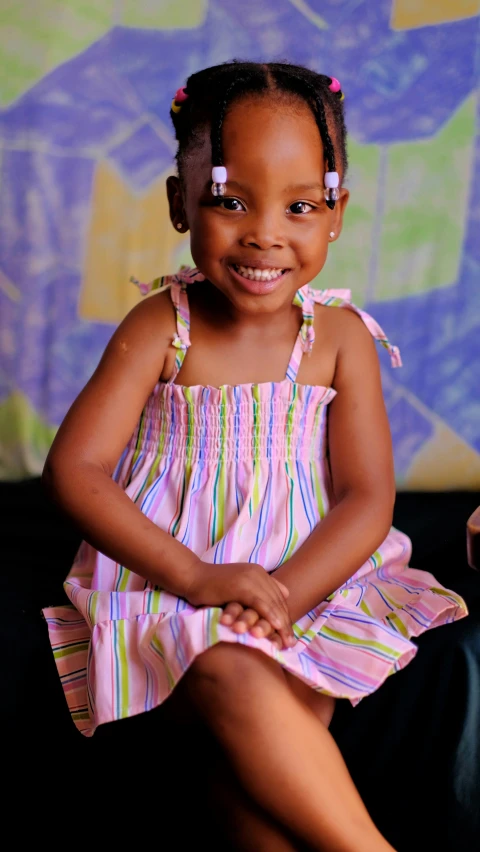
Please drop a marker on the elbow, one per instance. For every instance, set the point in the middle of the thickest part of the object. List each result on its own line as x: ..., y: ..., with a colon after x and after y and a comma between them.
x: 51, y: 478
x: 375, y: 505
x: 383, y: 505
x: 47, y: 475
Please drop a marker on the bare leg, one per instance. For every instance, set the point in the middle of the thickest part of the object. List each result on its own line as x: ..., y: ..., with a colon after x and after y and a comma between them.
x: 283, y: 755
x: 322, y: 705
x: 247, y: 826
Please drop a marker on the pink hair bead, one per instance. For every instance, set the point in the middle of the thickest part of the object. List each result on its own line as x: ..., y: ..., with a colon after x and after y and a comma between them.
x: 335, y: 85
x: 181, y: 95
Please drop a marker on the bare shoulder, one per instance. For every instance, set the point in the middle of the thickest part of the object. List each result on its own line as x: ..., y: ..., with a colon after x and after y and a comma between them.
x: 149, y: 325
x: 103, y: 417
x: 342, y: 325
x: 346, y: 337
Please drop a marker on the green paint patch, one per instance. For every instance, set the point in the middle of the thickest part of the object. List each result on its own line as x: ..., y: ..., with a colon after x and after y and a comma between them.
x: 426, y: 198
x: 26, y: 438
x: 349, y: 259
x: 36, y: 37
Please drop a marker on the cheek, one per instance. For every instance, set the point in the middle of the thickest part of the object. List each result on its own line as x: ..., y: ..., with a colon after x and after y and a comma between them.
x: 211, y: 237
x: 311, y: 242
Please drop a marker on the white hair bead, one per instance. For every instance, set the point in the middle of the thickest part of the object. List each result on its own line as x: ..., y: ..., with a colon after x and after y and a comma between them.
x: 331, y: 180
x: 219, y: 174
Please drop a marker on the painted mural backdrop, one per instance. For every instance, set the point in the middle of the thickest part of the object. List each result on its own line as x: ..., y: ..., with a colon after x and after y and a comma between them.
x: 86, y: 145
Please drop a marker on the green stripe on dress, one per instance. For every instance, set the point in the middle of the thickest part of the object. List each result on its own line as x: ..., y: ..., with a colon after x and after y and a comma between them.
x: 365, y: 643
x: 122, y: 670
x: 59, y: 653
x: 257, y: 424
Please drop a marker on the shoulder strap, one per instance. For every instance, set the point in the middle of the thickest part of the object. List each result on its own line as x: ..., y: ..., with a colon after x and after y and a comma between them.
x: 177, y: 284
x: 306, y: 335
x: 306, y: 298
x: 342, y: 299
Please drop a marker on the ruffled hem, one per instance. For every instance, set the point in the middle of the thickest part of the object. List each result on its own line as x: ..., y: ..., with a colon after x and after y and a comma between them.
x: 342, y: 649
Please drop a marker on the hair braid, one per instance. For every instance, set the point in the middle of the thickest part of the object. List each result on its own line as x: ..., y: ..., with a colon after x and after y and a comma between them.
x: 213, y: 90
x: 249, y: 82
x: 218, y: 118
x: 309, y: 90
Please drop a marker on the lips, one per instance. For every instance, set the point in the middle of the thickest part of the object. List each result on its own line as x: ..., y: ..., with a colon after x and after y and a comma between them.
x: 258, y: 280
x: 256, y: 273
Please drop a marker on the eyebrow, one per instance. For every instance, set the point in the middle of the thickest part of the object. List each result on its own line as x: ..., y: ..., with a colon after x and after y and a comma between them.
x: 304, y: 187
x: 292, y: 188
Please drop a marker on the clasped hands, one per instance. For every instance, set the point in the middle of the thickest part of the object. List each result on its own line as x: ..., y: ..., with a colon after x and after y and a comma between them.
x: 253, y: 601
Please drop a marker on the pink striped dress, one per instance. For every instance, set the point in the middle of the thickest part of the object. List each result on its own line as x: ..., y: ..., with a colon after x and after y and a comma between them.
x: 236, y: 473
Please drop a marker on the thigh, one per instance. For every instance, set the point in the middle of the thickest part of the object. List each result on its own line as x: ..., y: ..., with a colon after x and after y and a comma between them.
x: 237, y: 673
x: 233, y: 667
x: 322, y: 705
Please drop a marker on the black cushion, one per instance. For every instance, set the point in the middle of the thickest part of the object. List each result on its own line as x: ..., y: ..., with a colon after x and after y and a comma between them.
x: 413, y: 747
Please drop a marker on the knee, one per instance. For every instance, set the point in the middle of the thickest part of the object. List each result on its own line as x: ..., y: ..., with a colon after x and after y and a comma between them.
x: 226, y: 669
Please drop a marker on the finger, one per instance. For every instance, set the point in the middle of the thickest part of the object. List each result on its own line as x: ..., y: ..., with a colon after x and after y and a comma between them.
x: 281, y: 597
x: 245, y: 621
x: 267, y: 609
x: 231, y: 612
x: 283, y: 625
x: 284, y: 629
x: 288, y: 637
x: 285, y: 592
x: 262, y: 629
x: 276, y: 640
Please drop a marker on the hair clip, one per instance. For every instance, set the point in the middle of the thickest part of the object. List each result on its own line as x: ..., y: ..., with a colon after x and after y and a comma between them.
x: 181, y: 95
x: 332, y: 193
x: 335, y: 87
x: 219, y: 179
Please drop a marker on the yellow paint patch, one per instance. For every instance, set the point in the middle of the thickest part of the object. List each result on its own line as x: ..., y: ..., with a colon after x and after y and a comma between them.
x: 163, y: 14
x: 129, y: 234
x: 410, y: 14
x: 444, y: 462
x: 310, y: 14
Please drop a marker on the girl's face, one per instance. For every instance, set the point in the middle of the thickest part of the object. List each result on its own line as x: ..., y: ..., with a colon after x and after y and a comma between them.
x: 269, y: 235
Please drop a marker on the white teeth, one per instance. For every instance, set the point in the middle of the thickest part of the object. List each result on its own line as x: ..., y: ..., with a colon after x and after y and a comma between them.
x: 255, y: 274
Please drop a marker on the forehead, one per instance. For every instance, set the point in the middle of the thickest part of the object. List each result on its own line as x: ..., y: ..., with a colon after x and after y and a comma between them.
x: 266, y: 141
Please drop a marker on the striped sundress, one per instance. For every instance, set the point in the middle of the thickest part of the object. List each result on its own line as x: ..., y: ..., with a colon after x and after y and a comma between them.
x: 237, y: 474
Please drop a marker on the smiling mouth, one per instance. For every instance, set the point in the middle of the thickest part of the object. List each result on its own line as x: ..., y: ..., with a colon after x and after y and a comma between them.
x: 253, y: 273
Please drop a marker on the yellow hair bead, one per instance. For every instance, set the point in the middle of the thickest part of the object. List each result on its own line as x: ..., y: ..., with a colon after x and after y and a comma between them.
x: 175, y: 107
x: 342, y: 96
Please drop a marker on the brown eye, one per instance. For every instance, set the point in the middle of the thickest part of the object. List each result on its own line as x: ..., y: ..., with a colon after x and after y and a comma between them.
x: 300, y: 207
x: 232, y: 204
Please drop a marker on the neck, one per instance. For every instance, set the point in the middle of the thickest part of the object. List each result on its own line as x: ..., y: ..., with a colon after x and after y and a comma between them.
x: 218, y: 310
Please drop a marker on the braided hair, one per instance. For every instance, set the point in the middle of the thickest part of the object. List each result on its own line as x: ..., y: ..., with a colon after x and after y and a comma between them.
x: 212, y: 91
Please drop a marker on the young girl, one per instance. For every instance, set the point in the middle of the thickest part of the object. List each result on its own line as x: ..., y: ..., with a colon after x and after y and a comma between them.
x: 258, y: 480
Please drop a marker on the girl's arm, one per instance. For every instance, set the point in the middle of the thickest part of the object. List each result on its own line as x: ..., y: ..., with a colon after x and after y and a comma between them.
x: 361, y: 463
x: 92, y: 437
x: 86, y: 450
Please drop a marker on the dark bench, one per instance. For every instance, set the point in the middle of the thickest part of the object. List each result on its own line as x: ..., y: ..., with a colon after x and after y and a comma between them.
x: 413, y: 747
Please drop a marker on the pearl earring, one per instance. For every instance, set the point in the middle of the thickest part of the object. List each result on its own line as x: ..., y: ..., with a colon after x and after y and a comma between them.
x: 179, y: 226
x: 332, y: 234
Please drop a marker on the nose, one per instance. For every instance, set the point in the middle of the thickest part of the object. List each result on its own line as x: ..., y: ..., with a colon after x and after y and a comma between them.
x: 264, y: 231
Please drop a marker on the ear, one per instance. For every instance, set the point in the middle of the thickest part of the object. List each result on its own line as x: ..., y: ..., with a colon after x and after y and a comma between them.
x: 338, y: 213
x: 178, y: 216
